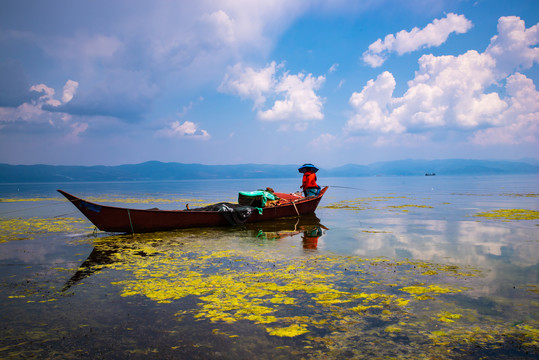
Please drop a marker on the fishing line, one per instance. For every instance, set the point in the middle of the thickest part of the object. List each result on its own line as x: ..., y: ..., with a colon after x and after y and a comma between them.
x: 346, y: 187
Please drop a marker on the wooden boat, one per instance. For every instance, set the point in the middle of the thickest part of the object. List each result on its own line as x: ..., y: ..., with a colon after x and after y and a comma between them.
x: 116, y: 219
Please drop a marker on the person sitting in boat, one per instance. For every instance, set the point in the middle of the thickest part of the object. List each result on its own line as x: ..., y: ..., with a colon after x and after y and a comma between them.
x: 309, y: 186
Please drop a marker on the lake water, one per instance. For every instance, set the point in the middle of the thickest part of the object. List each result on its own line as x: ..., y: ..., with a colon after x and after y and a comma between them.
x: 441, y: 267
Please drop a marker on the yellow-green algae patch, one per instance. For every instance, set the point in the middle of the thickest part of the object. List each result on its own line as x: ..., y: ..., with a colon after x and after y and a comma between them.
x: 359, y: 203
x: 393, y: 329
x: 16, y: 229
x: 117, y: 199
x: 10, y: 200
x: 430, y: 289
x: 409, y: 206
x: 265, y: 288
x: 446, y: 316
x: 289, y: 331
x: 323, y: 302
x: 510, y: 214
x: 522, y: 195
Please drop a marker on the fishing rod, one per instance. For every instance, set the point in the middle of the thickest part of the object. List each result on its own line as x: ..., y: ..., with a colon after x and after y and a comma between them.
x: 346, y: 187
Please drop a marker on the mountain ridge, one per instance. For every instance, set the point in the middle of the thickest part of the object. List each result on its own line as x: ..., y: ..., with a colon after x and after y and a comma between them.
x: 156, y: 170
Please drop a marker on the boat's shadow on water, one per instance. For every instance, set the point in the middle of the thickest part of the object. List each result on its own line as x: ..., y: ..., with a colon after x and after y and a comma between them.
x: 108, y: 250
x: 307, y: 225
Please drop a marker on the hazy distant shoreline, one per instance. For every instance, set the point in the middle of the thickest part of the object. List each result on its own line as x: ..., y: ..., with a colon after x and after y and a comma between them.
x: 155, y: 170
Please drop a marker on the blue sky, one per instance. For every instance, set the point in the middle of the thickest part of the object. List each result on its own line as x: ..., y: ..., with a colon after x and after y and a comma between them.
x: 273, y: 81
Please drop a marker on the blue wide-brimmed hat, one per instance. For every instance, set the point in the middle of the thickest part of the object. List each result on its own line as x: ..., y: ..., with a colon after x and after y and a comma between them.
x: 305, y: 167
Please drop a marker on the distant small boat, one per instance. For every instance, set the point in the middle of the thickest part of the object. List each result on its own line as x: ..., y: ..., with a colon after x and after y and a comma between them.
x: 116, y: 219
x: 430, y: 174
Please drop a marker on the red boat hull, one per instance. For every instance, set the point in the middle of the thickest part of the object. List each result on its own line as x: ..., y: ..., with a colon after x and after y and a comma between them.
x: 116, y: 219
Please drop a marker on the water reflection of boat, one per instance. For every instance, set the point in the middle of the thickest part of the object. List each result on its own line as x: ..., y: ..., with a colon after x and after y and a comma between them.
x: 115, y: 219
x: 309, y: 225
x: 297, y: 223
x: 106, y: 250
x: 310, y: 238
x: 94, y: 262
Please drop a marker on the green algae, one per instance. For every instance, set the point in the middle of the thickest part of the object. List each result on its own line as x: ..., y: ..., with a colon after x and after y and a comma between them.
x: 11, y: 200
x: 361, y: 313
x: 393, y: 329
x: 18, y: 229
x: 446, y: 316
x: 289, y: 331
x: 531, y: 195
x: 350, y: 296
x: 329, y: 305
x: 359, y: 203
x: 510, y: 214
x: 517, y: 195
x: 409, y: 206
x: 115, y: 199
x: 430, y: 289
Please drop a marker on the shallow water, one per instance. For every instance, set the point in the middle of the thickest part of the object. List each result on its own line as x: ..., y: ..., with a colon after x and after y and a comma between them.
x: 404, y: 267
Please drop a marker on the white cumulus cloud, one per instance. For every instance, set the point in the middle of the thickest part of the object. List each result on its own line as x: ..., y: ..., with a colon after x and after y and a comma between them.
x: 372, y: 106
x: 295, y: 96
x: 300, y: 100
x: 324, y: 141
x: 43, y: 110
x: 434, y: 34
x: 249, y: 83
x: 460, y: 93
x: 76, y: 130
x: 514, y: 48
x: 187, y: 129
x: 48, y: 95
x: 69, y: 90
x: 519, y: 122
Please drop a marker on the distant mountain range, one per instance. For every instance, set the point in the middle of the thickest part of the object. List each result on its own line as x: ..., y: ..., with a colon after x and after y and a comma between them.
x: 155, y: 170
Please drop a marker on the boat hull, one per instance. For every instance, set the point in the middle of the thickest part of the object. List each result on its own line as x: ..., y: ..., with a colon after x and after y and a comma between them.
x: 116, y: 219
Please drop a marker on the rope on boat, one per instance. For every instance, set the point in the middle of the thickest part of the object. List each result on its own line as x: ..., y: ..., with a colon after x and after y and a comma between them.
x: 130, y: 223
x: 294, y: 203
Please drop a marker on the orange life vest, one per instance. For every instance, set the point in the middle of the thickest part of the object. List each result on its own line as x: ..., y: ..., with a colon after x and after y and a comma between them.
x: 309, y: 180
